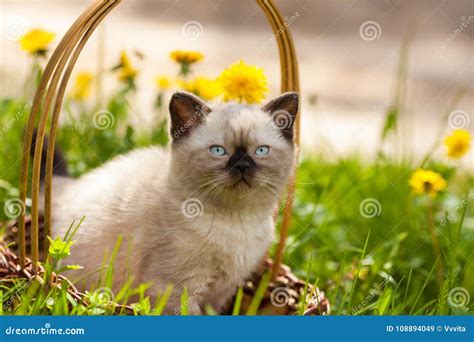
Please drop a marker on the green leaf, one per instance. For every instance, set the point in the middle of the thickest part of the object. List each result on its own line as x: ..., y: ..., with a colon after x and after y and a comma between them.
x: 58, y: 248
x: 74, y: 267
x: 384, y: 300
x: 390, y: 122
x: 70, y: 268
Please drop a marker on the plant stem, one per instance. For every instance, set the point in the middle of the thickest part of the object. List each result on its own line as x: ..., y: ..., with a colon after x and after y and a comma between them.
x: 435, y: 243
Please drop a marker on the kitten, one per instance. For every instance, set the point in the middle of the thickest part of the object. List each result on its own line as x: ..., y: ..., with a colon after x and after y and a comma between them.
x: 197, y: 214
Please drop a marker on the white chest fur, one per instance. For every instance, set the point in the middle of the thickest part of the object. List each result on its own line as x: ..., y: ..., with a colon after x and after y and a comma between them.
x: 240, y: 239
x: 211, y: 254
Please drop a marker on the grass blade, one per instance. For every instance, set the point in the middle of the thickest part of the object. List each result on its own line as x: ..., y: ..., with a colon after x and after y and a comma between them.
x: 349, y: 304
x: 161, y: 304
x: 110, y: 268
x: 238, y: 302
x: 185, y: 302
x: 259, y: 293
x: 424, y: 285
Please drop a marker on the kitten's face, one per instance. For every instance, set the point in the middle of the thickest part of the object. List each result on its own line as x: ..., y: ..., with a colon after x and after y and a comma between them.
x: 234, y: 151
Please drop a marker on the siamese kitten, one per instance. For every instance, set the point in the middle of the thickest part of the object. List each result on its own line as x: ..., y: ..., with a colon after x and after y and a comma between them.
x: 198, y: 214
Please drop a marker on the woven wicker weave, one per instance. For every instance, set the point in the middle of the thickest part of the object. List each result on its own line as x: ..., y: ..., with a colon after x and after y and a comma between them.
x: 10, y: 271
x: 281, y: 296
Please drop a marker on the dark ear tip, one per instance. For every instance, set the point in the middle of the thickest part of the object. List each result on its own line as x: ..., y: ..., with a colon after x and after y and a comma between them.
x: 292, y: 100
x: 182, y: 98
x: 180, y: 94
x: 175, y: 97
x: 291, y: 95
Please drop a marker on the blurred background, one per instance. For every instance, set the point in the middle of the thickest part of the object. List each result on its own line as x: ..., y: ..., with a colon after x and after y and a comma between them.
x: 348, y: 53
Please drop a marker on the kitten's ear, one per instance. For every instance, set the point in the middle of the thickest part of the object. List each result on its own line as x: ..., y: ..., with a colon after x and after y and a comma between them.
x: 187, y: 111
x: 283, y: 111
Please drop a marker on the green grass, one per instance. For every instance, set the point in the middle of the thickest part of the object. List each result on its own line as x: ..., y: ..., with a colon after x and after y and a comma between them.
x: 368, y: 263
x: 353, y: 253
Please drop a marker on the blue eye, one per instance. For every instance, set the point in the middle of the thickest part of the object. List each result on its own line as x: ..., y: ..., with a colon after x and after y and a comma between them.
x: 262, y: 150
x: 217, y: 150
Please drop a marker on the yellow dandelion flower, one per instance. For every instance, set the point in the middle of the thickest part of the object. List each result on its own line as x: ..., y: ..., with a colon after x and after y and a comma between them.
x: 127, y: 74
x: 427, y: 182
x: 457, y: 143
x: 82, y: 85
x: 202, y: 86
x: 186, y: 57
x: 126, y: 70
x: 125, y: 60
x: 243, y: 83
x: 36, y: 41
x: 163, y: 82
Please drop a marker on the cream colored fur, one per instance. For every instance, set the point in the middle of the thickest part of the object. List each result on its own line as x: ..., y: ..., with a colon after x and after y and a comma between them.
x: 140, y: 196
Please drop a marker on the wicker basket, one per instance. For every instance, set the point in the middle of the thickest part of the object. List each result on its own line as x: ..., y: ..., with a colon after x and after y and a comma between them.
x: 280, y: 298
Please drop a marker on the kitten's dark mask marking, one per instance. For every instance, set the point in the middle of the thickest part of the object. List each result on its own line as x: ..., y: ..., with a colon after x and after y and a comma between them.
x: 241, y: 164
